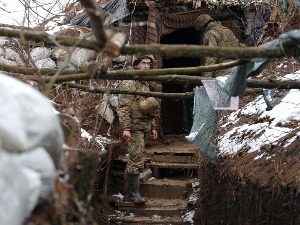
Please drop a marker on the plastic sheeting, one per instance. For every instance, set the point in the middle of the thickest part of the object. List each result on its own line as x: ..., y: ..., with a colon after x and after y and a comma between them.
x: 112, y: 11
x: 206, y: 119
x: 205, y: 125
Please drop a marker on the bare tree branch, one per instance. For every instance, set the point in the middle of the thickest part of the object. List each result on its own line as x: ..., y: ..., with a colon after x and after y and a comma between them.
x: 47, y: 39
x: 59, y: 79
x: 271, y: 84
x: 178, y: 71
x: 182, y: 96
x: 96, y: 20
x: 168, y: 51
x: 191, y: 51
x: 185, y: 70
x: 32, y: 71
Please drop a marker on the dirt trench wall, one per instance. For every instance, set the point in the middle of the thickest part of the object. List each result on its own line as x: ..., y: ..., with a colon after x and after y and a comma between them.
x: 225, y: 198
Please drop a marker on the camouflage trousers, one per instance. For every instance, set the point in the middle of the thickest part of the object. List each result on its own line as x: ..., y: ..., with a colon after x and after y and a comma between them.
x: 136, y: 147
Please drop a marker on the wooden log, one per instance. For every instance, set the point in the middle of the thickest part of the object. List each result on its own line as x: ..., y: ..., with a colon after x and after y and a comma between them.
x: 166, y: 51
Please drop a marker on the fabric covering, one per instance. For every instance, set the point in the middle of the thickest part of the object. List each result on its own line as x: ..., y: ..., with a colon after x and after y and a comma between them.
x: 206, y: 119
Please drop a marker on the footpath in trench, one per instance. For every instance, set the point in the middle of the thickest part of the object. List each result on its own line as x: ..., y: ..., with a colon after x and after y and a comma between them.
x: 171, y: 186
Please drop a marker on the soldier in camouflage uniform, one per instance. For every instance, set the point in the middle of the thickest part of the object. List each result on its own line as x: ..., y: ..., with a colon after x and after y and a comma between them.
x: 135, y: 124
x: 214, y: 34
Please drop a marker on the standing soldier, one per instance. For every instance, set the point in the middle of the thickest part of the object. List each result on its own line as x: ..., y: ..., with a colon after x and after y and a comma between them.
x: 136, y: 116
x: 214, y: 34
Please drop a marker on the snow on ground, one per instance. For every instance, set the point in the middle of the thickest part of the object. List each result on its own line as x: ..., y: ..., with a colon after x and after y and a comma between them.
x: 268, y: 128
x: 101, y: 140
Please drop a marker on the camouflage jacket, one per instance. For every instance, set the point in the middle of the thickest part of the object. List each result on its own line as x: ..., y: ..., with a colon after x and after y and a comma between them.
x: 130, y: 116
x: 218, y: 35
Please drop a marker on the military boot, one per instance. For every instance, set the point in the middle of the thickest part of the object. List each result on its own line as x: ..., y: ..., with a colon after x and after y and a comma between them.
x: 134, y: 186
x: 125, y: 188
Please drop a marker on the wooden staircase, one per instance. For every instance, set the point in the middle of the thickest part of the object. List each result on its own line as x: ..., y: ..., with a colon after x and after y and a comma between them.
x: 174, y: 167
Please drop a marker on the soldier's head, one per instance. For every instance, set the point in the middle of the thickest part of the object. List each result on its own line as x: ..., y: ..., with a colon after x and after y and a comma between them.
x: 202, y: 21
x: 144, y: 62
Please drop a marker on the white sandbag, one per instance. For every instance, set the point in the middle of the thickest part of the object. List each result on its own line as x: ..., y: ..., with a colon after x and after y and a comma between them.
x: 14, y: 189
x: 14, y: 56
x: 2, y: 51
x: 82, y: 55
x: 40, y: 161
x: 3, y: 40
x: 28, y: 120
x: 45, y: 63
x: 25, y: 179
x: 39, y: 53
x: 5, y: 61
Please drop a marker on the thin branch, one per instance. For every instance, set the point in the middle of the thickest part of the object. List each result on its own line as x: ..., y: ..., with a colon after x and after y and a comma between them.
x: 167, y: 51
x: 59, y: 79
x: 48, y: 39
x: 271, y: 84
x: 180, y: 79
x: 185, y: 70
x: 178, y: 71
x: 32, y: 71
x: 181, y: 96
x: 192, y: 51
x: 96, y: 20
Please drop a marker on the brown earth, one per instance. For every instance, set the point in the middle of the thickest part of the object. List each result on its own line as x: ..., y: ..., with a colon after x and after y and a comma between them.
x: 253, y: 191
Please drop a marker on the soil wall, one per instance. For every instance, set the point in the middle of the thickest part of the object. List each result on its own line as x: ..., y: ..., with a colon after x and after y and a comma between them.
x: 229, y: 197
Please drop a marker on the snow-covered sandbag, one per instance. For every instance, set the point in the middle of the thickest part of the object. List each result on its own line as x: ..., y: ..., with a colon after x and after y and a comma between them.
x: 45, y: 63
x: 3, y: 40
x: 14, y: 56
x: 39, y: 53
x: 25, y: 179
x: 2, y: 51
x: 28, y: 120
x: 82, y: 55
x: 14, y: 190
x: 5, y: 61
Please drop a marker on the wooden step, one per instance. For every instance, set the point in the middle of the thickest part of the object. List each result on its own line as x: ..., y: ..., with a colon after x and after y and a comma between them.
x: 167, y: 188
x: 139, y: 220
x: 173, y: 165
x: 154, y: 206
x: 173, y: 158
x: 188, y: 169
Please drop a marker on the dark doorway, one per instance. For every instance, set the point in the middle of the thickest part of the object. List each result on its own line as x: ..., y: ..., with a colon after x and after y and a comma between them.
x: 177, y: 115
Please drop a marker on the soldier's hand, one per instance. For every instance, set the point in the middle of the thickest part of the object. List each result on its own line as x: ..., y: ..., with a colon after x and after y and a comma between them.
x: 126, y: 135
x: 154, y: 134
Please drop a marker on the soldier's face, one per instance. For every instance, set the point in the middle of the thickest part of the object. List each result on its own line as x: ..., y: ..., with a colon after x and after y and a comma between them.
x: 145, y: 64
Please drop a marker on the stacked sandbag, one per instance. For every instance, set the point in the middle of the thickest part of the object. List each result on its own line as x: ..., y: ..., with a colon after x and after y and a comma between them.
x: 31, y: 148
x: 11, y: 53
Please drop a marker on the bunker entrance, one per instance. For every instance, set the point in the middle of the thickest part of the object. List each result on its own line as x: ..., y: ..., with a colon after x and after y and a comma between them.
x: 177, y: 115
